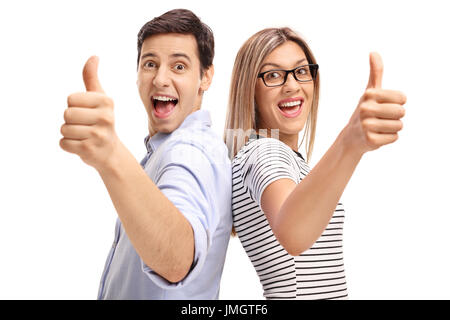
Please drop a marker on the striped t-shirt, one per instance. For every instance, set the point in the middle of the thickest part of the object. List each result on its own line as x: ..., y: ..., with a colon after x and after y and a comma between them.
x: 317, y: 273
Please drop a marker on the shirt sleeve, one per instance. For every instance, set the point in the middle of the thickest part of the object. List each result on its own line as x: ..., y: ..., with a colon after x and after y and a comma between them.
x: 186, y: 177
x: 266, y: 160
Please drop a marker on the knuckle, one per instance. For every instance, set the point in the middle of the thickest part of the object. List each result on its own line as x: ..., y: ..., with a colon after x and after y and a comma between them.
x: 87, y: 149
x: 62, y: 144
x: 366, y: 109
x: 107, y: 118
x: 98, y: 134
x: 105, y: 100
x: 70, y: 100
x: 405, y: 99
x: 395, y: 137
x: 370, y: 93
x: 402, y: 98
x: 401, y: 112
x: 371, y: 141
x: 366, y: 124
x: 109, y: 101
x: 93, y: 132
x: 73, y: 98
x: 67, y: 115
x: 111, y: 119
x: 368, y: 137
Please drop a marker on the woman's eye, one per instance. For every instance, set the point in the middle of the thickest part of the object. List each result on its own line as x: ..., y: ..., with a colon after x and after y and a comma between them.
x: 273, y: 75
x: 302, y: 71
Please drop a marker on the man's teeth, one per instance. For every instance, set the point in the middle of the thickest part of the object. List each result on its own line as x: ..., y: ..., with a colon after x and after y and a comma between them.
x: 162, y: 98
x: 291, y: 104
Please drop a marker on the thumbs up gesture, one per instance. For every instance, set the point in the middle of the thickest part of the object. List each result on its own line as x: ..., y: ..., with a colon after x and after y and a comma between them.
x: 376, y: 120
x: 88, y: 130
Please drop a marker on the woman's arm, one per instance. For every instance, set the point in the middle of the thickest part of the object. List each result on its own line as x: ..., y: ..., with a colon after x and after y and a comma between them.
x: 298, y: 214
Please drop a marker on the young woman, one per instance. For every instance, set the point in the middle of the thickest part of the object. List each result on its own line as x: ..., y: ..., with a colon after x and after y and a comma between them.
x: 288, y: 217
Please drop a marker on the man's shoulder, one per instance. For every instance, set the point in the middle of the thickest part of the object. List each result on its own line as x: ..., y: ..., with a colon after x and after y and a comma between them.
x: 194, y: 143
x: 202, y: 138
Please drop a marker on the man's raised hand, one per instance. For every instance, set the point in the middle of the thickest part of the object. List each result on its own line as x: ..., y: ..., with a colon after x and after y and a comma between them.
x: 88, y: 130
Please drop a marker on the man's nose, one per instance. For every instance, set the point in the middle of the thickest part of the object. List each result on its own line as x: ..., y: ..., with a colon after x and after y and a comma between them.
x: 162, y: 77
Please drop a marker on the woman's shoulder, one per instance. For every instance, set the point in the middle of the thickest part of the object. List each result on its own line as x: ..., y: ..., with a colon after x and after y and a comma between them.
x: 263, y: 147
x: 263, y: 151
x: 262, y: 144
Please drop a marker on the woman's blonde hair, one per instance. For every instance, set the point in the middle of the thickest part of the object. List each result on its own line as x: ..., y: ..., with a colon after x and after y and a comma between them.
x: 241, y: 118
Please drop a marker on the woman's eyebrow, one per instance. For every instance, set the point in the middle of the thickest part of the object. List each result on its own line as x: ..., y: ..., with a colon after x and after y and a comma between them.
x: 270, y: 64
x: 278, y: 66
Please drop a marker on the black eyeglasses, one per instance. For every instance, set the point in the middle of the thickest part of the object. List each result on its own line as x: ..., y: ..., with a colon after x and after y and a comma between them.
x: 275, y: 78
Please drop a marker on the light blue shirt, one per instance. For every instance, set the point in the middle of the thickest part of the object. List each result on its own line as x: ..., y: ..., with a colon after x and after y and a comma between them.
x: 191, y: 167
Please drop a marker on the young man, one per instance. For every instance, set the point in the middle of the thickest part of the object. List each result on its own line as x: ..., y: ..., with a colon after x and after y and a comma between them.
x: 174, y: 210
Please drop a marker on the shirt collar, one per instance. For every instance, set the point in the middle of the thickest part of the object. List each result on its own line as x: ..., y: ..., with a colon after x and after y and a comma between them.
x: 199, y: 118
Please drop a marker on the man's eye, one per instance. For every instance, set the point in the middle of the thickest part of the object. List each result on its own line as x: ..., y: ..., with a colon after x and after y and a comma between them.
x: 149, y: 64
x: 179, y: 67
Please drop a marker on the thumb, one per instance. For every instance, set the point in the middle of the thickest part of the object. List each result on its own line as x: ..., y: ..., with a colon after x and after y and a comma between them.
x: 90, y: 76
x: 376, y: 71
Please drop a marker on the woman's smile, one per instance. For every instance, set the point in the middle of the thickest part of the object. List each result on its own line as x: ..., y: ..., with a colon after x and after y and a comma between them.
x: 291, y: 107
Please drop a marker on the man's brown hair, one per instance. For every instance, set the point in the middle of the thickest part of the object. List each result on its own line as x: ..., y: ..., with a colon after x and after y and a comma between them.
x: 185, y: 22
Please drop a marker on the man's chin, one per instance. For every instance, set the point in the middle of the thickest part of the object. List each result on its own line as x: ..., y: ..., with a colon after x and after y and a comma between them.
x: 164, y: 128
x: 165, y: 125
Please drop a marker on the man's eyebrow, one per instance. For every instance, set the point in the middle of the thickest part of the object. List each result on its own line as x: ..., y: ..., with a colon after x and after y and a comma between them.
x: 174, y: 55
x: 180, y: 55
x: 148, y: 54
x: 278, y: 66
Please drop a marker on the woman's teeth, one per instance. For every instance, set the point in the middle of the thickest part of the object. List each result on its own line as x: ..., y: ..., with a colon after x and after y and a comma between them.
x: 290, y: 104
x: 291, y: 109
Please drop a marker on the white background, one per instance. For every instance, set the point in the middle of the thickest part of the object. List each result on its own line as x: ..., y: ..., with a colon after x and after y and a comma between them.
x: 56, y: 219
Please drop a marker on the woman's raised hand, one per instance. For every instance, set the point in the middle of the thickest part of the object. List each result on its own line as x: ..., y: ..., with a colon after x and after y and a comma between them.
x: 376, y: 120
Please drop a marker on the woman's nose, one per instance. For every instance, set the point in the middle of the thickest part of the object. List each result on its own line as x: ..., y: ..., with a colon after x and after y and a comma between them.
x: 291, y: 84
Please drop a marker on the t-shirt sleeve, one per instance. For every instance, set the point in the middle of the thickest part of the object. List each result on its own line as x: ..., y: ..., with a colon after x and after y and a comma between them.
x: 265, y: 161
x: 186, y: 177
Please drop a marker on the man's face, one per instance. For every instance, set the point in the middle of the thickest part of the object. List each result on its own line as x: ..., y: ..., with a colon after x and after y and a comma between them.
x: 169, y: 80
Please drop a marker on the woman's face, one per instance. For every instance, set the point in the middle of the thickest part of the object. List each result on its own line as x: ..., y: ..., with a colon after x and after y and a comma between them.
x: 285, y: 107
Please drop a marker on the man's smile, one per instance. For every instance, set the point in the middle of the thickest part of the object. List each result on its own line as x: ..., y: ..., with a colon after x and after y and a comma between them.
x: 163, y: 105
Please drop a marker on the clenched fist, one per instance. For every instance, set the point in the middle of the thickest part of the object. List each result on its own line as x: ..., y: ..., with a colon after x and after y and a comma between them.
x: 376, y: 120
x: 88, y: 130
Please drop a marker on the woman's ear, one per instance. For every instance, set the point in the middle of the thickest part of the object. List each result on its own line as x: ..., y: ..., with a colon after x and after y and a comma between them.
x: 207, y: 78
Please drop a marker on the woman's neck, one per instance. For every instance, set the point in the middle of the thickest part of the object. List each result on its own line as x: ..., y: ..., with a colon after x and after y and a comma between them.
x: 290, y: 140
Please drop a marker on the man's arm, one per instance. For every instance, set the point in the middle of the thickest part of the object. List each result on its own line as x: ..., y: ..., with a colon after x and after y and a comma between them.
x: 159, y: 232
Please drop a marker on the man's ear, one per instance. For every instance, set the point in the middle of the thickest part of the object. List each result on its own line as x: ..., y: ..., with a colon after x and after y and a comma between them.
x: 207, y: 78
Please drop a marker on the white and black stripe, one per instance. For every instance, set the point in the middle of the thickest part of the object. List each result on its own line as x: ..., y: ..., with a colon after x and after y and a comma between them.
x: 318, y: 273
